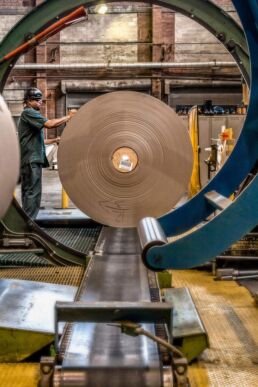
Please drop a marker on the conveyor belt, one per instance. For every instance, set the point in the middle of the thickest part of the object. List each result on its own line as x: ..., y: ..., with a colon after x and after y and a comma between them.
x: 98, y: 354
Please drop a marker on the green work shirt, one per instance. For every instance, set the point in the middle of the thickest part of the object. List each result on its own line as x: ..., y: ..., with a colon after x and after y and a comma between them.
x: 31, y: 136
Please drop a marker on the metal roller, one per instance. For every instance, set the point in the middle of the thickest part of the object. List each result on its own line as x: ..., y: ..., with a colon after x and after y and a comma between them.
x: 9, y: 158
x: 150, y: 234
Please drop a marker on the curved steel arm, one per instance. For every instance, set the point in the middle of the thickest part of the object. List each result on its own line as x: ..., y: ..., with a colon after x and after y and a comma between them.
x: 242, y: 215
x: 16, y: 223
x: 212, y: 238
x: 244, y: 155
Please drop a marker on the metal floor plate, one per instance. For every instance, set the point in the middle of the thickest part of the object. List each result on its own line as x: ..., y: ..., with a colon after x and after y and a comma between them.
x: 27, y: 305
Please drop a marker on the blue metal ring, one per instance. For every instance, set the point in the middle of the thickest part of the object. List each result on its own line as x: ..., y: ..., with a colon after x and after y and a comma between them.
x: 242, y: 215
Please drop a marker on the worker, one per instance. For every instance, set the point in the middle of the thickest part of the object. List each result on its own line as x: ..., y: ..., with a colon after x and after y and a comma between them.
x: 51, y: 151
x: 33, y: 156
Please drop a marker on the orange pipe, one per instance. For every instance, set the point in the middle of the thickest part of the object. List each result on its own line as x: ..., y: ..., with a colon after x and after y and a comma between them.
x: 79, y: 13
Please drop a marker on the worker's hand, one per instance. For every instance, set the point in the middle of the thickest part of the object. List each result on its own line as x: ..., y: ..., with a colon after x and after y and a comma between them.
x: 72, y: 112
x: 57, y: 139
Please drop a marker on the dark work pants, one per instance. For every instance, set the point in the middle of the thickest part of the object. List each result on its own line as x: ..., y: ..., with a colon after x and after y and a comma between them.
x: 31, y: 177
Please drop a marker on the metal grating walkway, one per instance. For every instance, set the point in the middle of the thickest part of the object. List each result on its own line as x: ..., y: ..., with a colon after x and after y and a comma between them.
x: 22, y: 259
x: 80, y: 239
x: 230, y: 318
x: 247, y: 246
x: 69, y: 275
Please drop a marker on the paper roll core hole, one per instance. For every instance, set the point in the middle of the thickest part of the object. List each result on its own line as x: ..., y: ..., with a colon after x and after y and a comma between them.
x: 124, y: 159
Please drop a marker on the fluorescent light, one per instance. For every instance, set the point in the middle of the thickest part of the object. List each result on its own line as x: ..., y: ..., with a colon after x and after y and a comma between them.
x: 101, y: 9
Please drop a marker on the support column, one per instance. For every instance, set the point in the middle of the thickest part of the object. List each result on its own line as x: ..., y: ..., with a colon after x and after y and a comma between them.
x: 163, y: 40
x: 41, y: 78
x: 144, y: 35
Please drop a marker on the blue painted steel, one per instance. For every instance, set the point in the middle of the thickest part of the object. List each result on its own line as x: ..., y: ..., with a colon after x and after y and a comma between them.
x: 212, y: 238
x: 242, y: 215
x: 245, y: 153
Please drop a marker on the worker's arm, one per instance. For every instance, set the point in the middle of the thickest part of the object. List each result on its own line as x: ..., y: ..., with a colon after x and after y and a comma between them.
x: 54, y: 123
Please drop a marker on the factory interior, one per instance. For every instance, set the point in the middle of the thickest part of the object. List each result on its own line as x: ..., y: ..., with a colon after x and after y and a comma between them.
x: 139, y: 265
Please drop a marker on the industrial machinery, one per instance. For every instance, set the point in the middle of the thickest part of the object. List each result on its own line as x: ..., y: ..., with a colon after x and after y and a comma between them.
x: 96, y: 353
x: 179, y: 254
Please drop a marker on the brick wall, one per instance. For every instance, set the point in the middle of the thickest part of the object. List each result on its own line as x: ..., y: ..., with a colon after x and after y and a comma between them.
x: 110, y: 30
x: 7, y: 22
x: 129, y: 33
x: 11, y: 3
x: 144, y: 21
x: 193, y: 43
x: 163, y: 34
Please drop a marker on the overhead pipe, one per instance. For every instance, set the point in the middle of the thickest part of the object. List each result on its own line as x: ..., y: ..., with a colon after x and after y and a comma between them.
x: 74, y: 17
x: 133, y: 65
x: 203, y: 82
x: 108, y: 85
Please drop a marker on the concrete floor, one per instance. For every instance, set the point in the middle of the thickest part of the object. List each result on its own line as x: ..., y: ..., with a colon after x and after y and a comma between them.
x: 51, y: 201
x: 51, y: 190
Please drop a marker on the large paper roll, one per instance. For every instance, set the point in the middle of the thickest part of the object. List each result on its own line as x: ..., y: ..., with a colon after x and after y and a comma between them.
x: 9, y: 158
x: 125, y: 156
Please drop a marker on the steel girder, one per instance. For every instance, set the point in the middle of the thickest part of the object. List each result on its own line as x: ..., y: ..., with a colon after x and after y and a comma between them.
x: 242, y: 158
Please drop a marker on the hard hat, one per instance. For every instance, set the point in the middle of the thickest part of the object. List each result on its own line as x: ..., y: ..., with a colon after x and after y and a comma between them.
x: 33, y: 93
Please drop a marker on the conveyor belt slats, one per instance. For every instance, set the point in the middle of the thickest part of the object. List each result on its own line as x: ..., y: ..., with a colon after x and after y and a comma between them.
x: 98, y: 354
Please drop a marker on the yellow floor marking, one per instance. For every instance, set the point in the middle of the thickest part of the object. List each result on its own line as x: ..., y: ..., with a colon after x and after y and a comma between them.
x: 19, y: 375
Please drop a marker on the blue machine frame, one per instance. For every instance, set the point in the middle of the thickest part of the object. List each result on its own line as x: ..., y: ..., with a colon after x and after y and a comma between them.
x: 242, y: 215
